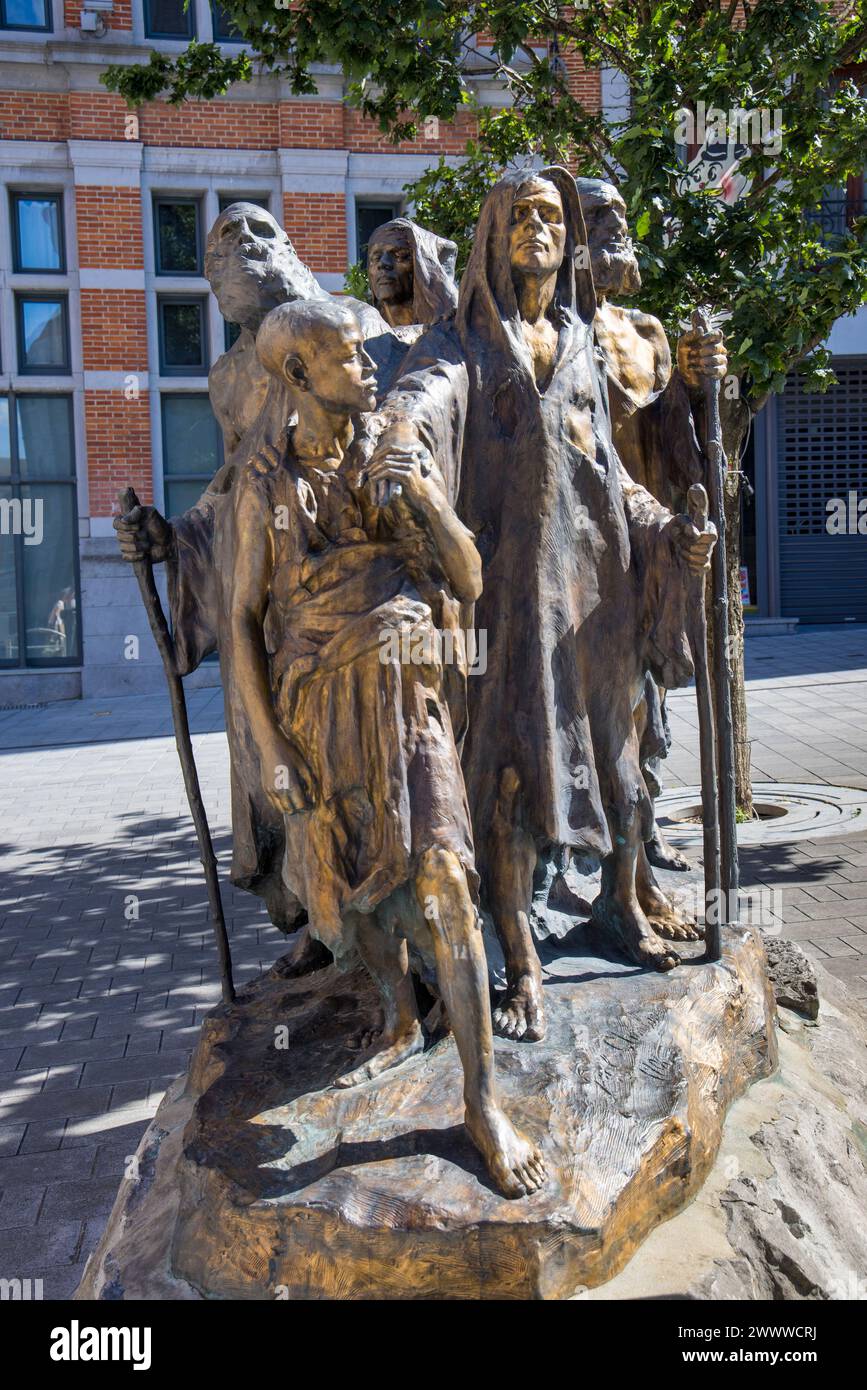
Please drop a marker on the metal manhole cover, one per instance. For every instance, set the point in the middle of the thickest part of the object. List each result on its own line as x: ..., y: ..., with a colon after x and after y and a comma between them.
x: 789, y: 811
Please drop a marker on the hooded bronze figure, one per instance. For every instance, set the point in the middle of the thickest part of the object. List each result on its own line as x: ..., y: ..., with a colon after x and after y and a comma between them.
x: 412, y: 276
x: 583, y: 573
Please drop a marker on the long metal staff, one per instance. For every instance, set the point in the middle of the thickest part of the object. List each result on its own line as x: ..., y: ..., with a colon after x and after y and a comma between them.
x: 702, y: 322
x: 697, y: 506
x: 159, y: 627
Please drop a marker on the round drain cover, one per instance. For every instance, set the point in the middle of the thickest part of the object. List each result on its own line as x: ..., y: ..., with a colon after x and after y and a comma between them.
x: 787, y: 811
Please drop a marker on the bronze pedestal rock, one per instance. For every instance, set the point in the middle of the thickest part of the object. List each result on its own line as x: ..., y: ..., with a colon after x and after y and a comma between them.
x: 258, y: 1180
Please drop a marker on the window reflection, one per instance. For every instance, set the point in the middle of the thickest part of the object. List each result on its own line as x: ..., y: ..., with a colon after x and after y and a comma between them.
x: 38, y: 236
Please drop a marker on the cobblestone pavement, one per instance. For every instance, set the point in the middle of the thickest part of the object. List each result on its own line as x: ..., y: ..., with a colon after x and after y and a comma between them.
x: 108, y: 964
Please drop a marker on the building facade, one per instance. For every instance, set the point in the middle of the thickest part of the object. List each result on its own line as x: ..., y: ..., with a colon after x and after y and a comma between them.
x: 108, y: 329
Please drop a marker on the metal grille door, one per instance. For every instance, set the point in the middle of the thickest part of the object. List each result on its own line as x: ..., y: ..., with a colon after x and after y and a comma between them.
x: 822, y: 460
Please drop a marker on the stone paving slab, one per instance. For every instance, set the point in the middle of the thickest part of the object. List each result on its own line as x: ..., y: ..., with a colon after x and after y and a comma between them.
x: 101, y: 997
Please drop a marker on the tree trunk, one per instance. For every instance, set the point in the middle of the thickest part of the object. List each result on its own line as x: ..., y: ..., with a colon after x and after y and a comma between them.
x: 735, y: 419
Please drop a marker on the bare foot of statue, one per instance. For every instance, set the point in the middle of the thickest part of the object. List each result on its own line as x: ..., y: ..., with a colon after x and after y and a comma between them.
x: 627, y: 926
x: 520, y: 1014
x: 392, y: 1049
x: 515, y: 1164
x: 666, y: 915
x: 663, y: 855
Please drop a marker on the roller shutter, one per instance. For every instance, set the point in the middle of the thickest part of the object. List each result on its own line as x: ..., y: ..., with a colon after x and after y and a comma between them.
x: 822, y: 454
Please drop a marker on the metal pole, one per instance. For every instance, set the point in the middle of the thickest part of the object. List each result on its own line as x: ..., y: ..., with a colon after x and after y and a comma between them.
x: 159, y: 627
x: 697, y: 506
x: 721, y: 663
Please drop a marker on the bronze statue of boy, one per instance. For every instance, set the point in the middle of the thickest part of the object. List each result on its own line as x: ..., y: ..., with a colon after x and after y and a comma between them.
x: 356, y: 749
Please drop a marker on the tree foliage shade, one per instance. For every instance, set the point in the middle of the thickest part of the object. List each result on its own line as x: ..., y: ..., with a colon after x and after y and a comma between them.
x: 765, y: 257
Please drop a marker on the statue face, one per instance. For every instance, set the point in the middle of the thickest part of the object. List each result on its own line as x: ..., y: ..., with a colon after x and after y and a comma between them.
x: 537, y: 236
x: 337, y: 370
x: 252, y: 266
x: 612, y: 259
x: 390, y: 266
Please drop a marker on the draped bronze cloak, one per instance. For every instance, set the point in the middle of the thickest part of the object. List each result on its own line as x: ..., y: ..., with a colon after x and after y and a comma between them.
x: 354, y: 602
x: 580, y: 581
x: 199, y: 571
x: 337, y: 588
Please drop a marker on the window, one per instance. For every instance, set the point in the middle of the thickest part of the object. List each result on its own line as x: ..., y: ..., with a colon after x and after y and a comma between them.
x: 169, y: 19
x: 37, y: 233
x: 182, y: 333
x: 177, y: 236
x: 259, y: 200
x: 231, y: 333
x: 839, y: 208
x: 192, y: 449
x: 43, y: 334
x: 39, y: 585
x: 25, y: 14
x: 369, y: 216
x: 225, y: 30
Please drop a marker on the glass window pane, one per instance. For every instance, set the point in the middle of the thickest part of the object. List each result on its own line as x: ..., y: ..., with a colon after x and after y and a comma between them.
x: 369, y: 216
x: 43, y: 334
x: 258, y: 200
x: 181, y: 496
x: 177, y: 239
x: 182, y: 337
x: 191, y: 440
x: 51, y: 600
x: 38, y: 239
x: 225, y: 30
x: 232, y: 333
x: 8, y: 600
x: 25, y: 14
x: 45, y: 437
x: 5, y: 450
x: 168, y: 19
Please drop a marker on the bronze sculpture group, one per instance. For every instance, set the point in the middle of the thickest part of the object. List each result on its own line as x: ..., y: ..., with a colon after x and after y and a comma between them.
x: 513, y: 455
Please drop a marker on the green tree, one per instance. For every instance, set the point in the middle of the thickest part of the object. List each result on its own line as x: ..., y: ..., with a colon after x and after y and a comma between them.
x: 764, y: 258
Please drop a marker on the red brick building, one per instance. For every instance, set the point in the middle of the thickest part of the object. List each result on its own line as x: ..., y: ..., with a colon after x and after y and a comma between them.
x: 108, y: 329
x: 107, y: 326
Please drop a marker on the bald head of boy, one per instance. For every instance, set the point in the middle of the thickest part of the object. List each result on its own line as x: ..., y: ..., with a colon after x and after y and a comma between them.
x: 317, y: 347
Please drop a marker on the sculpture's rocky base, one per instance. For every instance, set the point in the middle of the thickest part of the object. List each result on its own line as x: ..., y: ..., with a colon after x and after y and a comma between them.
x: 781, y: 1215
x: 258, y: 1179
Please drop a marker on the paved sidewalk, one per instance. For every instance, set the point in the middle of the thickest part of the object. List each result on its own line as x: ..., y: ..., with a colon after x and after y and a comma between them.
x: 108, y: 964
x: 807, y: 701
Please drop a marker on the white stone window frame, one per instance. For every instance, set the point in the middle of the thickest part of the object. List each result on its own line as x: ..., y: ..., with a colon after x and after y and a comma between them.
x: 204, y: 29
x: 30, y: 166
x: 39, y: 36
x: 61, y: 32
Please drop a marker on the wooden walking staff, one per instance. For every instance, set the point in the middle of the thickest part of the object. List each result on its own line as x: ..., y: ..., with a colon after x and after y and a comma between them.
x: 159, y: 627
x: 697, y: 506
x: 727, y: 912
